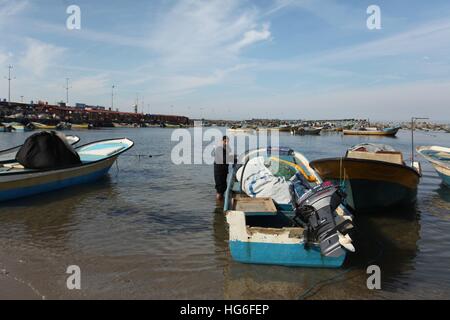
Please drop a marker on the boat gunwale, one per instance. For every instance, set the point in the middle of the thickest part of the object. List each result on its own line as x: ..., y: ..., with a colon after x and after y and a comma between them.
x: 74, y: 166
x: 431, y: 159
x: 342, y: 159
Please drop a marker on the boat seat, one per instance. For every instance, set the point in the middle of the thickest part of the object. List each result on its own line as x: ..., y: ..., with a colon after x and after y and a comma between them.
x: 255, y: 206
x: 386, y: 156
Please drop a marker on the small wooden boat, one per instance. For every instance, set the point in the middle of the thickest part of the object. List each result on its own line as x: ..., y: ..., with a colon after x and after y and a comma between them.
x: 373, y: 176
x: 97, y: 158
x: 18, y: 127
x: 241, y: 130
x: 391, y: 132
x: 301, y: 131
x: 124, y: 125
x: 440, y: 159
x: 41, y: 126
x: 171, y: 126
x: 5, y: 127
x: 83, y: 126
x: 9, y: 155
x: 262, y: 231
x: 64, y: 126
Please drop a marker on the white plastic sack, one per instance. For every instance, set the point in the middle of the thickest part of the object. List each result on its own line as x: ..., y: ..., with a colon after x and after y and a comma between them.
x: 260, y: 182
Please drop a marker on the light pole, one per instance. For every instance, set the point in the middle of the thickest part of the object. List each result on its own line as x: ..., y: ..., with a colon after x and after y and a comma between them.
x: 112, y: 97
x: 67, y: 91
x: 9, y: 83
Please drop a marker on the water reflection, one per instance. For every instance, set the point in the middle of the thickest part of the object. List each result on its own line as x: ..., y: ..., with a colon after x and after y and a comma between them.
x: 50, y: 218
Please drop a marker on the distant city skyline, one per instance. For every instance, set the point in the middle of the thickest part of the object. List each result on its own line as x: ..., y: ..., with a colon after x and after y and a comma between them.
x: 233, y: 59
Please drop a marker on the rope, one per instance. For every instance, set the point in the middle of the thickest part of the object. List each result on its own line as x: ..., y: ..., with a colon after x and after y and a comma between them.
x: 308, y: 177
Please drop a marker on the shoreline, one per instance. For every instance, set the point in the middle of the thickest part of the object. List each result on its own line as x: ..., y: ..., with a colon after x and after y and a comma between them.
x: 13, y: 287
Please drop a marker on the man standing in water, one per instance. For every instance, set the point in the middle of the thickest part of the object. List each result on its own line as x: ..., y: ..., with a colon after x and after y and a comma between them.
x: 222, y: 158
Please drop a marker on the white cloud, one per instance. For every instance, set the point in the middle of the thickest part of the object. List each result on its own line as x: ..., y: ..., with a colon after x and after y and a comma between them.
x: 3, y: 58
x: 10, y: 8
x: 196, y: 32
x: 428, y: 39
x: 251, y: 37
x: 39, y: 56
x: 90, y: 85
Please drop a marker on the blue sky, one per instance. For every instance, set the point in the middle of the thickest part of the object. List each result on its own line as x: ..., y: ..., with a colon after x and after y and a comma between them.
x: 234, y: 59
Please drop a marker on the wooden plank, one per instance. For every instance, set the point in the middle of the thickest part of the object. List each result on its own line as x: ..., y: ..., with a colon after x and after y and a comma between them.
x: 254, y: 205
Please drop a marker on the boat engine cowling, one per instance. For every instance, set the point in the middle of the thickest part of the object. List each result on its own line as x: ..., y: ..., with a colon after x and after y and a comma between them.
x: 315, y: 211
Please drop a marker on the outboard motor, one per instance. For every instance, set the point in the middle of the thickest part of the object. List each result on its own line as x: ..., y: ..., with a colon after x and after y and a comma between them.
x: 315, y: 211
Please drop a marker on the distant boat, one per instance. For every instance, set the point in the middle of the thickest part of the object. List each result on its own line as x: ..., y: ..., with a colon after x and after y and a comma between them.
x: 5, y: 127
x: 96, y: 157
x: 41, y: 126
x: 64, y: 126
x: 81, y: 126
x: 171, y: 126
x: 262, y: 231
x: 241, y: 130
x: 306, y: 131
x: 374, y: 176
x: 440, y: 159
x: 18, y: 127
x: 125, y: 125
x: 392, y: 132
x: 9, y: 155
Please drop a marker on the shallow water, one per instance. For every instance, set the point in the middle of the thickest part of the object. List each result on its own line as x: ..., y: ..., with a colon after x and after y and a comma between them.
x: 152, y: 229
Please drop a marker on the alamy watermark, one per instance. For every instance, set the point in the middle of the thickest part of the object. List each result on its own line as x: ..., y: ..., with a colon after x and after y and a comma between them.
x: 73, y: 281
x: 374, y: 280
x: 374, y: 20
x: 73, y: 21
x: 198, y: 145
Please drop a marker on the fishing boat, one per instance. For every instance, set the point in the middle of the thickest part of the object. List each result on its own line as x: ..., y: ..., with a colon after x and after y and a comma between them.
x: 9, y: 155
x: 373, y: 176
x: 171, y: 126
x: 306, y: 131
x: 241, y: 130
x: 263, y: 230
x: 390, y: 132
x: 84, y: 126
x: 439, y: 157
x: 96, y: 160
x: 5, y: 127
x: 18, y: 127
x: 41, y: 126
x: 64, y: 126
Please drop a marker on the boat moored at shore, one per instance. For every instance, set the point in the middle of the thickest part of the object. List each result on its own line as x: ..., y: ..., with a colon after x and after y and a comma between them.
x: 96, y: 160
x: 390, y: 132
x: 373, y: 176
x: 264, y: 231
x: 301, y: 131
x: 439, y: 157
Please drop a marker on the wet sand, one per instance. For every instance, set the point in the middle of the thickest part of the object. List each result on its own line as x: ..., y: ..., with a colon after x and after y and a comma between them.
x: 13, y: 286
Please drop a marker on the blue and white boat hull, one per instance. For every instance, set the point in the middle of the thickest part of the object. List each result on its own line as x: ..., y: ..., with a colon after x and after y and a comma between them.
x: 19, y: 186
x: 96, y: 160
x: 439, y: 157
x: 284, y: 247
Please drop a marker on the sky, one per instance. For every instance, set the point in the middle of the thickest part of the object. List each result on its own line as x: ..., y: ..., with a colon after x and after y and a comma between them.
x: 233, y: 59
